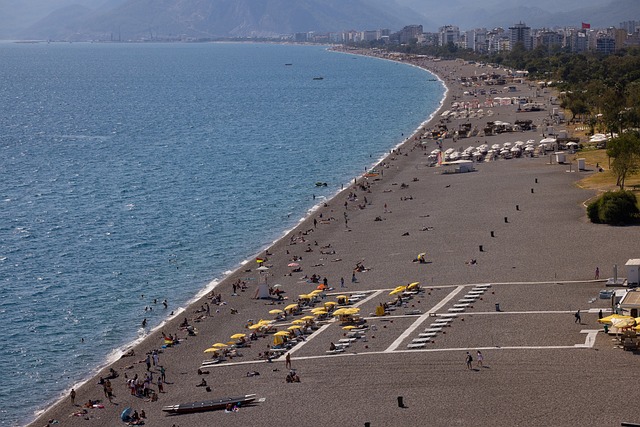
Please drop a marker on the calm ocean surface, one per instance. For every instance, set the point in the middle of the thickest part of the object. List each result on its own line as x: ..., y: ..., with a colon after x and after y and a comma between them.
x: 153, y: 170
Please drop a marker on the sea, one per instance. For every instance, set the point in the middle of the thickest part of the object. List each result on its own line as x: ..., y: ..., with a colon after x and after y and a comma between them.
x: 131, y: 174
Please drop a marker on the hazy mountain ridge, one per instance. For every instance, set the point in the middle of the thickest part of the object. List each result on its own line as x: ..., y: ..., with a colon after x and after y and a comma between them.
x: 135, y: 19
x: 224, y: 18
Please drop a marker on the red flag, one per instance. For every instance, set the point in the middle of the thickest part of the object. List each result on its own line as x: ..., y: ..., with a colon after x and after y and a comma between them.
x: 586, y: 26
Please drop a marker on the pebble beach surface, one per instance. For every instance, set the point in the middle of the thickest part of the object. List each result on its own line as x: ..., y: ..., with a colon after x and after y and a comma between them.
x: 521, y: 221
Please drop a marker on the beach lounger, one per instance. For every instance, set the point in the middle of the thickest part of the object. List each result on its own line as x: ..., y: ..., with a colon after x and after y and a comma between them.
x: 469, y: 296
x: 336, y: 351
x: 420, y: 340
x: 467, y: 300
x: 346, y: 340
x: 448, y: 316
x: 461, y: 305
x: 438, y: 329
x: 416, y: 345
x: 428, y: 335
x: 456, y: 310
x: 413, y: 312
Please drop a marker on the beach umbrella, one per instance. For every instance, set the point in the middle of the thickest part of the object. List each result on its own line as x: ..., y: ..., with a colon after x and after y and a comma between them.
x: 340, y: 312
x: 237, y: 336
x: 315, y: 292
x: 289, y: 307
x: 294, y: 327
x: 212, y: 350
x: 219, y: 345
x: 277, y: 285
x: 259, y: 260
x: 348, y: 328
x: 304, y: 296
x: 282, y: 334
x: 623, y: 323
x: 276, y: 311
x: 319, y: 311
x: 298, y: 322
x: 330, y: 303
x: 352, y: 310
x: 126, y: 414
x: 608, y: 320
x: 262, y: 268
x: 256, y: 326
x: 413, y: 285
x: 398, y: 290
x: 307, y: 318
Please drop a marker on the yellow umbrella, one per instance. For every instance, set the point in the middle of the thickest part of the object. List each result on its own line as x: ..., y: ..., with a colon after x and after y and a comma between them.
x: 352, y: 310
x: 413, y: 285
x: 316, y: 292
x: 289, y: 307
x: 304, y: 296
x: 294, y: 327
x: 623, y: 323
x: 342, y: 296
x: 256, y: 326
x: 276, y: 311
x: 282, y: 334
x: 613, y: 318
x: 398, y: 290
x: 340, y: 312
x: 319, y: 310
x: 348, y: 328
x: 219, y: 345
x: 298, y: 322
x: 307, y: 318
x: 237, y: 336
x: 211, y: 350
x: 330, y: 303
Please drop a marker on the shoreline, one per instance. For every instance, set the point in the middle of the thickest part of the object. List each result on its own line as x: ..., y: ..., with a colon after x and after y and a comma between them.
x: 116, y: 354
x: 447, y: 216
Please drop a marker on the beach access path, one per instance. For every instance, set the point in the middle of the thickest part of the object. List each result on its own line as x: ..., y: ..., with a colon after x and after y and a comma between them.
x: 521, y: 220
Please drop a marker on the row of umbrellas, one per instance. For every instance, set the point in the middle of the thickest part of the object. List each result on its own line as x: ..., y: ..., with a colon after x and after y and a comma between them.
x: 621, y: 321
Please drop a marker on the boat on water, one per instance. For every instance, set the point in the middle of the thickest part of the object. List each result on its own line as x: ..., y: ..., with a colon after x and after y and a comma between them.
x: 208, y: 405
x: 318, y: 78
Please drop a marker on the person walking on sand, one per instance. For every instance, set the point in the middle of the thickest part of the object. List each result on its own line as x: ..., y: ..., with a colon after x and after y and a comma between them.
x: 597, y: 273
x: 72, y: 395
x: 469, y: 360
x: 353, y: 277
x: 480, y: 358
x: 577, y: 316
x: 342, y: 282
x: 287, y: 361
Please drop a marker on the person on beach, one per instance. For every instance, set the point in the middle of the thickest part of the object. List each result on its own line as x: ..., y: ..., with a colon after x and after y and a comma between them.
x: 72, y: 395
x: 353, y: 277
x: 147, y: 360
x: 342, y: 282
x: 480, y: 358
x: 469, y: 360
x: 597, y: 273
x: 577, y: 316
x: 162, y: 374
x: 287, y: 361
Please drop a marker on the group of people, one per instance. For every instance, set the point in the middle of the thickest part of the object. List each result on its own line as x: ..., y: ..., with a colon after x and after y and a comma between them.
x: 479, y: 360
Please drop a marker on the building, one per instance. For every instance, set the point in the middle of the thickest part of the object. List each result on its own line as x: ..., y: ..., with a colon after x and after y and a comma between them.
x: 549, y: 39
x: 520, y: 33
x: 449, y: 34
x: 605, y: 43
x: 409, y: 33
x: 630, y: 26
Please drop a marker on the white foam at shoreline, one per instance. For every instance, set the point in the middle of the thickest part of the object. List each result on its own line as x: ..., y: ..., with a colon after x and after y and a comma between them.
x: 117, y: 353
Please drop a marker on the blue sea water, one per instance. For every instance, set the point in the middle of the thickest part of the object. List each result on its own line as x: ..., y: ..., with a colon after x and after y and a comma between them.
x: 155, y: 169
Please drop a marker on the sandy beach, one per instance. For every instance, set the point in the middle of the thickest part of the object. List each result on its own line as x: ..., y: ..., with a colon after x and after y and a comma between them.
x: 518, y: 225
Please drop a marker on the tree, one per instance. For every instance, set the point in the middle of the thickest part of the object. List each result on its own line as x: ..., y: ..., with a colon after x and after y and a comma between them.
x: 614, y: 208
x: 625, y: 151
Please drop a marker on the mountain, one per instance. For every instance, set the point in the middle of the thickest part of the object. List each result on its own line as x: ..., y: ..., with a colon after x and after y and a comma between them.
x: 135, y: 19
x: 539, y: 14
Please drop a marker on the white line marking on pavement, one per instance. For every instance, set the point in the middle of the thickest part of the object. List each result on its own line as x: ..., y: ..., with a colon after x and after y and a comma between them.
x: 421, y: 319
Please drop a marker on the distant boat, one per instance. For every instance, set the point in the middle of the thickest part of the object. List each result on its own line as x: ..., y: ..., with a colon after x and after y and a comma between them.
x: 318, y: 78
x: 208, y: 405
x: 288, y: 64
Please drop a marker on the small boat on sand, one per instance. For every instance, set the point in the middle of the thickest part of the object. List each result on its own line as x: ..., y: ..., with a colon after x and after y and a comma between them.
x: 208, y: 405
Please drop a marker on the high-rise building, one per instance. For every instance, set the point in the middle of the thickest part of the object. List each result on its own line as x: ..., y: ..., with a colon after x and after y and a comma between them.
x: 520, y: 33
x: 449, y: 34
